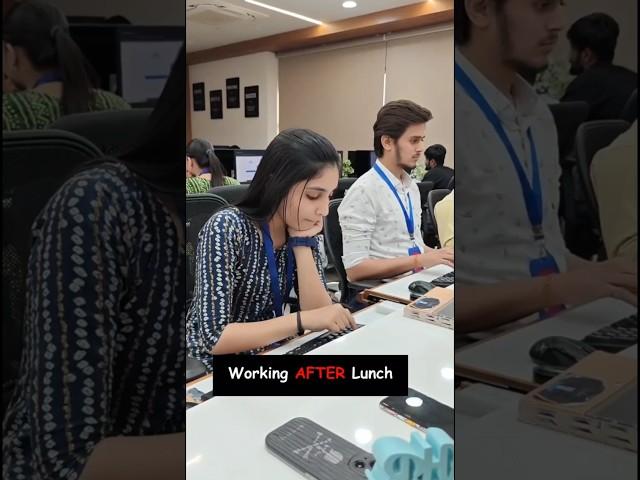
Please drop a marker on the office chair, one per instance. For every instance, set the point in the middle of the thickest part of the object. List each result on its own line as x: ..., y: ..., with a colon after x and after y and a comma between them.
x: 333, y: 232
x: 112, y: 131
x: 233, y: 194
x: 451, y: 184
x: 344, y: 184
x: 199, y: 207
x: 630, y: 110
x: 425, y: 188
x: 434, y: 197
x: 35, y: 164
x: 591, y: 137
x: 428, y: 230
x: 568, y: 116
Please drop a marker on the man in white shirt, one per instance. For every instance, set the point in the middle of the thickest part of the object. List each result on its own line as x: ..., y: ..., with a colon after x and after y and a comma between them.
x: 512, y: 261
x: 380, y: 215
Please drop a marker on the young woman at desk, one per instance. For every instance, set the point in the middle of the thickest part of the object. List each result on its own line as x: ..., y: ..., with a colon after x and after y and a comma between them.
x: 249, y: 257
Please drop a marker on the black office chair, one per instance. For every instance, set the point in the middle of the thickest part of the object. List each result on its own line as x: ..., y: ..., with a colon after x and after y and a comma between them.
x: 591, y: 137
x: 451, y: 184
x: 630, y: 110
x: 434, y: 197
x: 568, y: 116
x: 112, y: 131
x: 200, y: 207
x: 428, y: 230
x: 35, y: 164
x: 333, y: 233
x: 344, y: 184
x: 233, y: 194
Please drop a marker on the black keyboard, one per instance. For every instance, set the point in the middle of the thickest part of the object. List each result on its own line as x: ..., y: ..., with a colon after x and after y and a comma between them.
x: 319, y: 341
x: 615, y: 337
x: 444, y: 281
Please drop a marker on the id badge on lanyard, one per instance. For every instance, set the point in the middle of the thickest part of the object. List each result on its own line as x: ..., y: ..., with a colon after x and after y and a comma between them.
x: 544, y: 264
x: 278, y: 296
x: 408, y: 216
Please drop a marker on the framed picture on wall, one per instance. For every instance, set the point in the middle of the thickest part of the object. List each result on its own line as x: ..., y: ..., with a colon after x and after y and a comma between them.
x: 198, y: 97
x: 233, y: 92
x: 215, y: 102
x: 251, y: 101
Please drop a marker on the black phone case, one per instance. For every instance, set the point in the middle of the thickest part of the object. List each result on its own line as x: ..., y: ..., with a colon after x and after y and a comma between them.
x: 317, y: 452
x: 438, y: 414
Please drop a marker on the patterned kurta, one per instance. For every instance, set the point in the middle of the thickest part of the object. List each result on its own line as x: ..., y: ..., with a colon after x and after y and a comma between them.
x: 232, y: 280
x: 103, y: 350
x: 31, y: 110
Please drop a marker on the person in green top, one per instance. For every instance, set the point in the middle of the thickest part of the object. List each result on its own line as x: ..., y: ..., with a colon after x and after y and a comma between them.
x: 47, y: 69
x: 204, y: 169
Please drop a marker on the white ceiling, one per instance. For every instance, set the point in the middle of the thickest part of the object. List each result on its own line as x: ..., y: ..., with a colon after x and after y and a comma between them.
x: 224, y: 31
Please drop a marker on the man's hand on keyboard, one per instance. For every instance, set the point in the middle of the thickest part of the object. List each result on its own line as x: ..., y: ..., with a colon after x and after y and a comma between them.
x: 616, y: 278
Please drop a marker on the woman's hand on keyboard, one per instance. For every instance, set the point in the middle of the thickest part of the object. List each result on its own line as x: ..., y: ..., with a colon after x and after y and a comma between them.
x: 333, y: 317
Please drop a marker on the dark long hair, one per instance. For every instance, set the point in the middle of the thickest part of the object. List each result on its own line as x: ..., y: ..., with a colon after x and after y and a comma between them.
x: 293, y: 156
x: 202, y: 152
x: 43, y: 32
x: 157, y: 157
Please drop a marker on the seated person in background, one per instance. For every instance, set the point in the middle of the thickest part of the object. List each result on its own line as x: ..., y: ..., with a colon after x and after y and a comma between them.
x: 437, y: 172
x: 604, y: 86
x: 443, y: 212
x: 512, y: 262
x: 614, y: 174
x: 204, y: 169
x: 47, y: 69
x: 250, y: 256
x: 100, y: 392
x: 380, y: 214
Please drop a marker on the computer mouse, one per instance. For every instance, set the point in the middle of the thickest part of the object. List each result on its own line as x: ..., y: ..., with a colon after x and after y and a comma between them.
x: 420, y: 287
x: 559, y: 352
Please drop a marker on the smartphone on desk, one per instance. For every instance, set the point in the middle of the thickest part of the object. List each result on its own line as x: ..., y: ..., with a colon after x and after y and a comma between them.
x: 420, y: 411
x: 318, y: 453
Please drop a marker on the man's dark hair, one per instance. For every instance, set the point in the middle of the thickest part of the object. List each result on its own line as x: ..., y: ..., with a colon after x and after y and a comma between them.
x: 436, y: 152
x: 598, y: 32
x: 462, y: 24
x: 394, y: 119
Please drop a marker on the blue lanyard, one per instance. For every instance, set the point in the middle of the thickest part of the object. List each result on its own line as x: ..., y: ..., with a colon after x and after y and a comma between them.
x: 48, y: 77
x: 532, y: 192
x: 408, y: 217
x: 273, y: 271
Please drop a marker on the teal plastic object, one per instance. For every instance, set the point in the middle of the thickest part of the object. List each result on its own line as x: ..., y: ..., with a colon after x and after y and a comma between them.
x: 422, y: 458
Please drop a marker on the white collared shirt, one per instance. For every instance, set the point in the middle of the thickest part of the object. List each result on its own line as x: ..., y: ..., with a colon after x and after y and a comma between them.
x: 372, y: 222
x: 494, y: 240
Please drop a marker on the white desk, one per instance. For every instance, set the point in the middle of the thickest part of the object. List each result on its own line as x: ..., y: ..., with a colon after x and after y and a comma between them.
x: 505, y: 360
x: 496, y: 445
x: 225, y: 435
x: 398, y: 290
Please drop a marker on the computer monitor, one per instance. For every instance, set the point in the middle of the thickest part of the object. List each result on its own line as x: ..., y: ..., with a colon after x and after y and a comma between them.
x: 131, y: 61
x: 227, y: 157
x: 146, y: 55
x: 247, y: 162
x: 362, y: 161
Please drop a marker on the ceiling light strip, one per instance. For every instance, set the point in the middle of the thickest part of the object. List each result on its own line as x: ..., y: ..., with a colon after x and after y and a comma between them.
x: 284, y: 12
